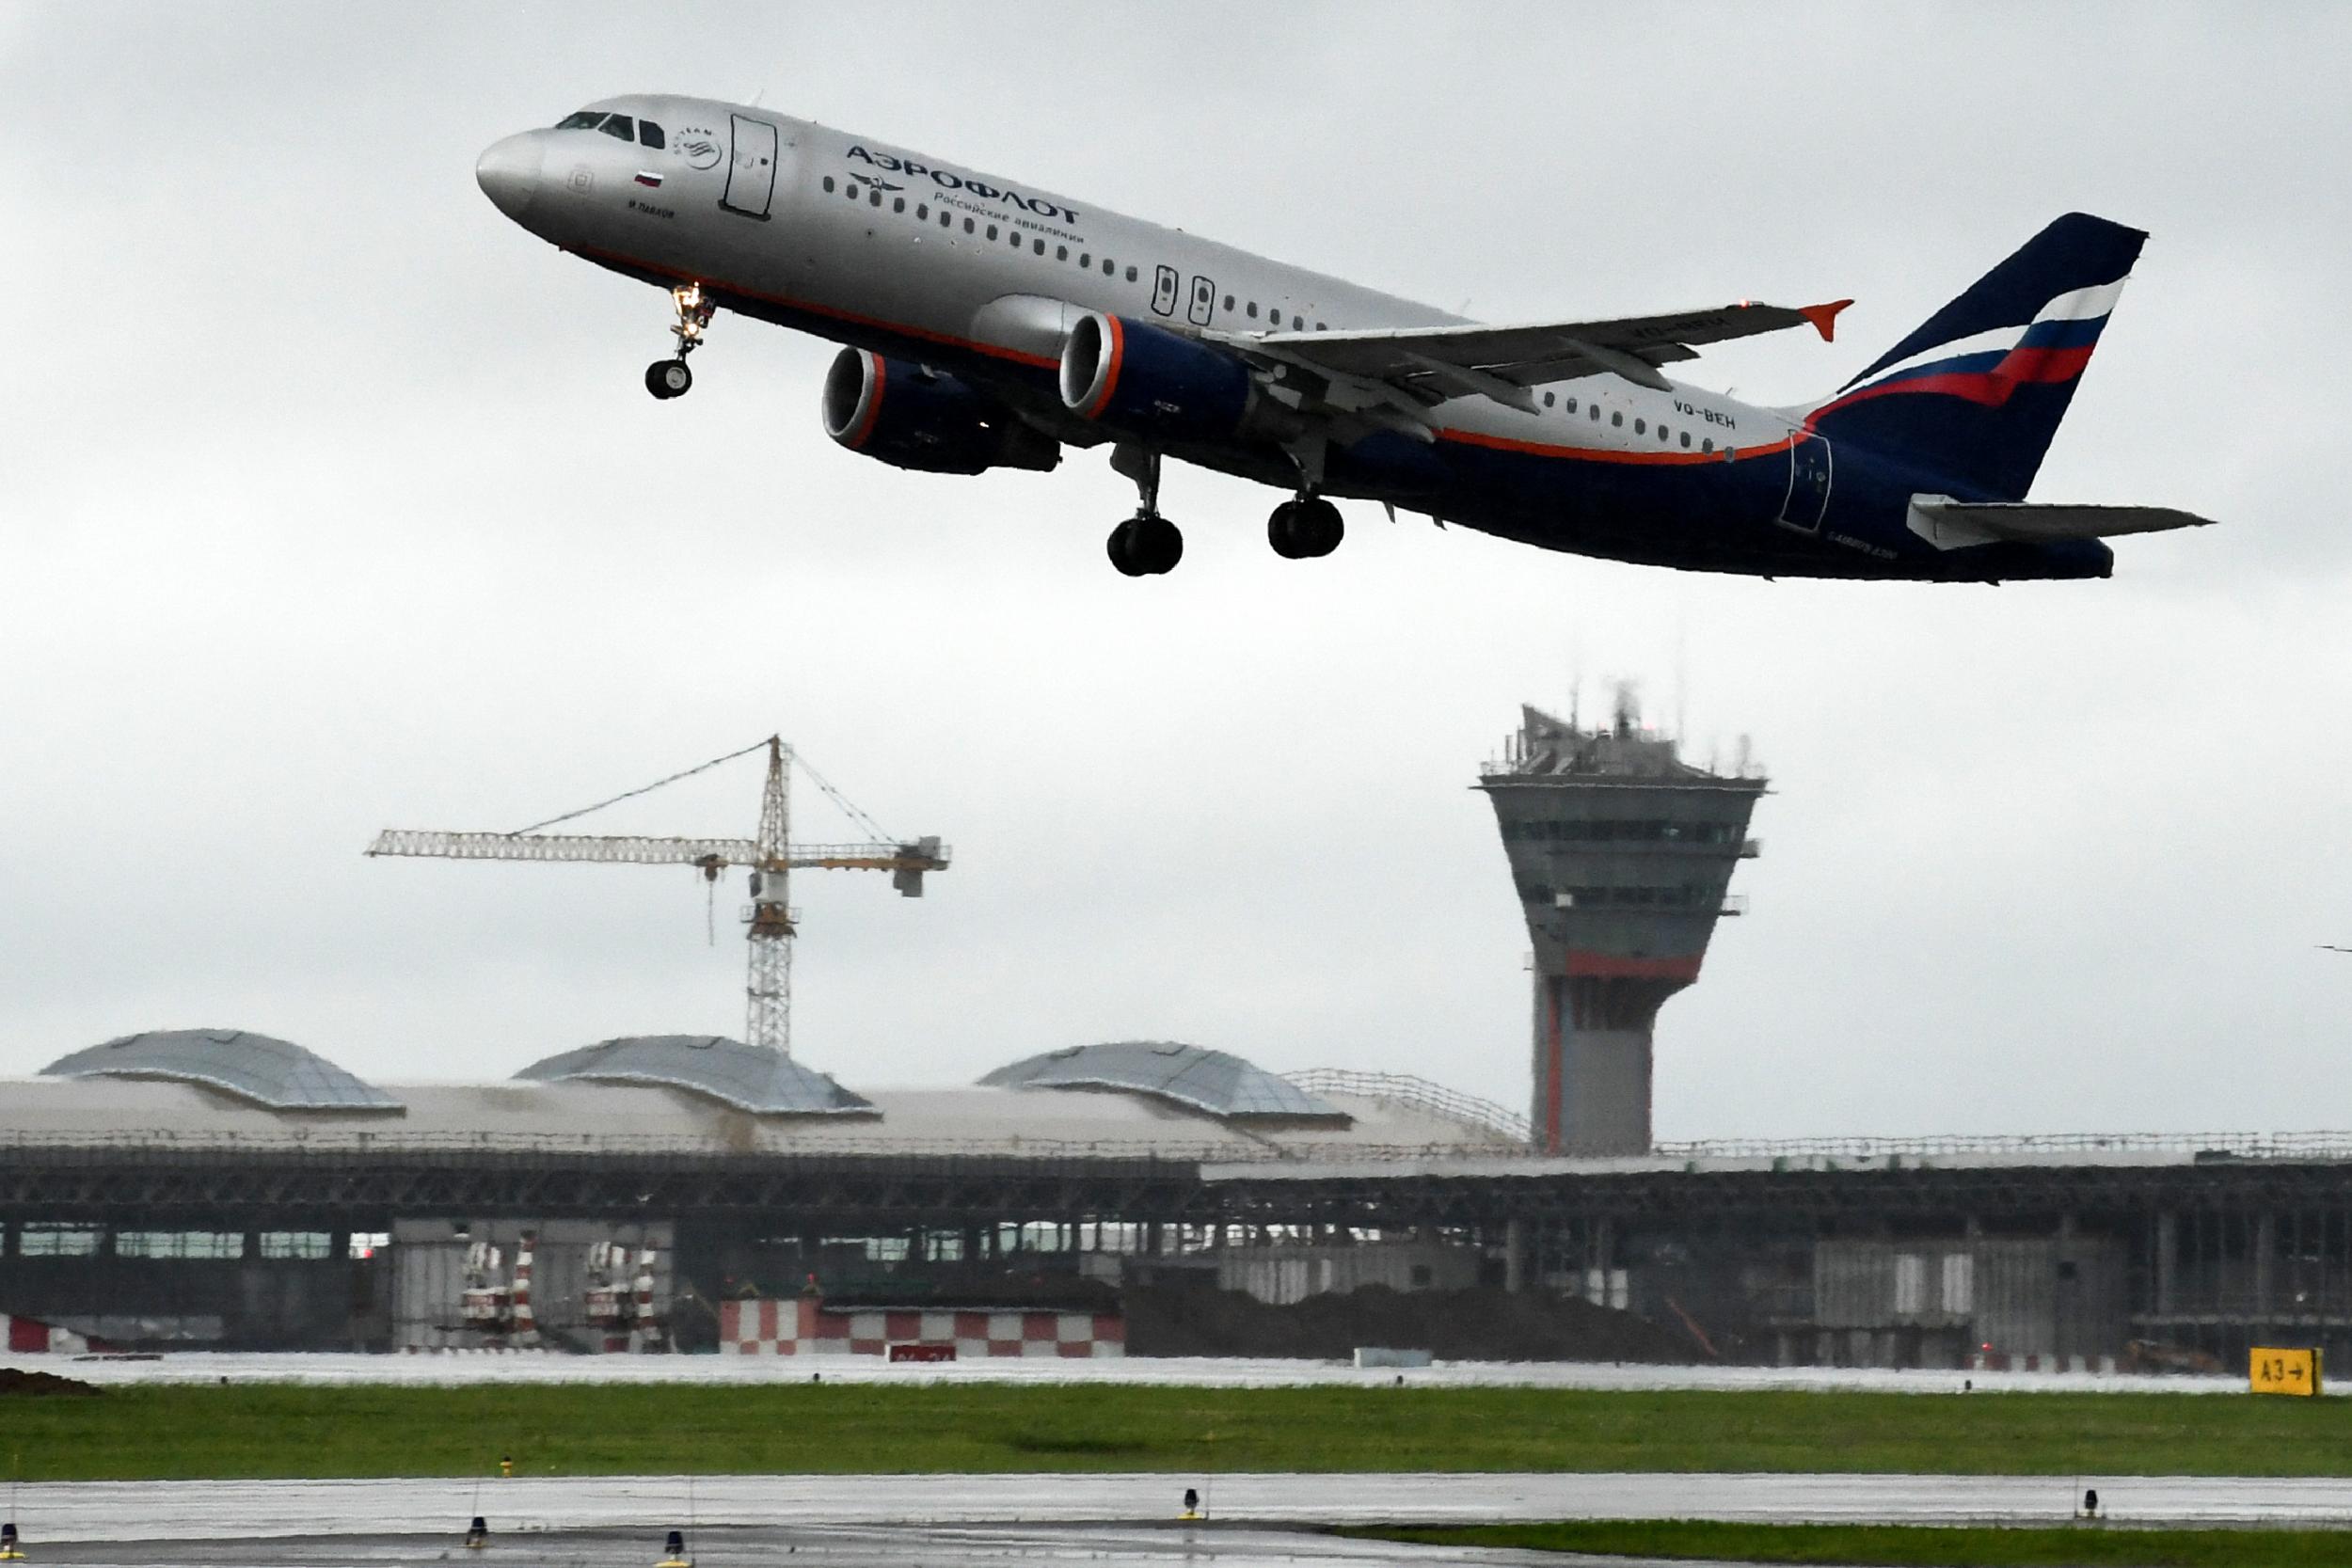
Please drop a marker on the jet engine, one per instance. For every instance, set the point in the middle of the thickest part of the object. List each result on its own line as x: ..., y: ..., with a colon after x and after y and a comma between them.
x: 913, y: 417
x: 1138, y: 376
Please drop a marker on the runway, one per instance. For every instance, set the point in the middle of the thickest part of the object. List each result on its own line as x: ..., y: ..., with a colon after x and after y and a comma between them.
x: 984, y: 1546
x: 1141, y: 1507
x: 1188, y: 1371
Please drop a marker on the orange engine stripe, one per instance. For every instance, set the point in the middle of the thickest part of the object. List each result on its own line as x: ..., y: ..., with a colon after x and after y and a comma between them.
x: 1110, y: 374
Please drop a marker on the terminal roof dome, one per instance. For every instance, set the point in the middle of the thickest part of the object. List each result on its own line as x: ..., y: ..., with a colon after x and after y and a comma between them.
x: 275, y: 1073
x: 748, y: 1077
x: 1191, y: 1075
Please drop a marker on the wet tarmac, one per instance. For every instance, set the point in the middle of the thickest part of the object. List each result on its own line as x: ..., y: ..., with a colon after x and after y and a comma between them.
x: 982, y: 1546
x: 1086, y: 1515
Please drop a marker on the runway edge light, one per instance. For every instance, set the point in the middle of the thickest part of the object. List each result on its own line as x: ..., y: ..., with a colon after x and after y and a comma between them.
x: 2277, y: 1370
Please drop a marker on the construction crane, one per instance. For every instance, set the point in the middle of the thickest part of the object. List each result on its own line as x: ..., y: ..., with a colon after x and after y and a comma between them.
x: 769, y: 919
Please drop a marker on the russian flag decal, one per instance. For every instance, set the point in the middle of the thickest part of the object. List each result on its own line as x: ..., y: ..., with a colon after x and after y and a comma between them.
x: 646, y: 177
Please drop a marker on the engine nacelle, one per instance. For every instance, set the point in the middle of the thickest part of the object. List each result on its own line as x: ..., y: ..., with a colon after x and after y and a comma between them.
x: 1136, y: 377
x: 912, y: 416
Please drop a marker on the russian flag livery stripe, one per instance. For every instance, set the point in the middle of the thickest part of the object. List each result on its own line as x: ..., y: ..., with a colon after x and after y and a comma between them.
x: 1973, y: 397
x: 1987, y: 367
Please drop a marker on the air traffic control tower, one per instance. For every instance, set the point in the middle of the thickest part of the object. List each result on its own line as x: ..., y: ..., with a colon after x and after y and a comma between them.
x: 1622, y: 855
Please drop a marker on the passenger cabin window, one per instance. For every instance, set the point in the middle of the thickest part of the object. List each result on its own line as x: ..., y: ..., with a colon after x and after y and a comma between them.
x: 1638, y: 427
x: 1040, y: 246
x: 618, y: 125
x: 1707, y: 446
x: 873, y: 195
x: 992, y: 227
x: 650, y: 134
x: 1130, y: 275
x: 828, y: 184
x: 1229, y: 302
x: 1616, y: 418
x: 1686, y: 437
x: 1546, y: 399
x: 1061, y: 253
x: 1253, y: 309
x: 1572, y: 406
x: 898, y: 203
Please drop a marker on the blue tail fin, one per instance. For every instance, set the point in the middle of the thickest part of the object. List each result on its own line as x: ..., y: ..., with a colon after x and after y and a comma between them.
x: 1972, y: 398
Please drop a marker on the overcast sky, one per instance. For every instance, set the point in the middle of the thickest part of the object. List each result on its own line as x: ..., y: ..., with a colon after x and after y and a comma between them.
x: 329, y: 501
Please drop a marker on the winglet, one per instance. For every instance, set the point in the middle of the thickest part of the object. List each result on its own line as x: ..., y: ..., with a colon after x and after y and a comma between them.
x: 1824, y: 317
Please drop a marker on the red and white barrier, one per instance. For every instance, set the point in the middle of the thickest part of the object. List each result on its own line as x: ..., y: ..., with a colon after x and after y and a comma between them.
x: 28, y: 1336
x: 1997, y: 1361
x: 806, y: 1326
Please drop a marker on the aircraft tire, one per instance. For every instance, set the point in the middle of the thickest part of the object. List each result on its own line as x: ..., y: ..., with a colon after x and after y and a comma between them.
x: 1305, y: 529
x: 1120, y: 547
x: 669, y: 378
x: 1147, y: 545
x: 1322, y: 525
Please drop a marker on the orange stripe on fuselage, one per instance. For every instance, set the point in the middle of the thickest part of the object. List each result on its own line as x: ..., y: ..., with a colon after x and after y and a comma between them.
x: 1609, y: 454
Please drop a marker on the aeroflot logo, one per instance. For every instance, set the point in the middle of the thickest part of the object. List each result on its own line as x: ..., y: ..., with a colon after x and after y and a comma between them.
x: 947, y: 180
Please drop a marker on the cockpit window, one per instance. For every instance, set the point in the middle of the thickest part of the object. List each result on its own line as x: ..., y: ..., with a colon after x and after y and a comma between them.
x: 587, y: 120
x: 650, y: 134
x: 618, y: 125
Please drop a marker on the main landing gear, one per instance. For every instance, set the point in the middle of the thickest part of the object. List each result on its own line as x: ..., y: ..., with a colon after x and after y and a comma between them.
x: 1146, y: 545
x: 1305, y: 529
x: 670, y: 378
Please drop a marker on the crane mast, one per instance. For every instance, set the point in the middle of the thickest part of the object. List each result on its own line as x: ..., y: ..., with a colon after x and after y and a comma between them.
x: 768, y: 974
x: 770, y: 856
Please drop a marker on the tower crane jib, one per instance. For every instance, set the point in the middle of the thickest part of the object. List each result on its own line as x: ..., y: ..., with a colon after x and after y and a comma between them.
x: 770, y: 857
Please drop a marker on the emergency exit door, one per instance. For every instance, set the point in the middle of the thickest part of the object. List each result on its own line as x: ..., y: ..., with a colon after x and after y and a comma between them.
x: 752, y: 171
x: 1808, y: 483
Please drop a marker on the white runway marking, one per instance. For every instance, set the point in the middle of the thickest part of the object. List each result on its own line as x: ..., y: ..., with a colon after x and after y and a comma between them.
x: 237, y: 1510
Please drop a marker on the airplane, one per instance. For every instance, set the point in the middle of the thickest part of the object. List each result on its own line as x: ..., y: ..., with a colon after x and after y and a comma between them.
x: 986, y: 323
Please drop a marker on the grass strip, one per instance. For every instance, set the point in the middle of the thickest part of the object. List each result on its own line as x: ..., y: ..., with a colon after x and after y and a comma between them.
x: 158, y: 1432
x: 1907, y: 1545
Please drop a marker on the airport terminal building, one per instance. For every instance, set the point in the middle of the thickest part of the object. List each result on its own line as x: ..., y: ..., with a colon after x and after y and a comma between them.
x: 216, y: 1188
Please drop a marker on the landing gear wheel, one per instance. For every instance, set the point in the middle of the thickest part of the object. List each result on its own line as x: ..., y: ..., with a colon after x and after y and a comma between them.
x: 1145, y: 546
x: 1305, y: 529
x: 670, y: 378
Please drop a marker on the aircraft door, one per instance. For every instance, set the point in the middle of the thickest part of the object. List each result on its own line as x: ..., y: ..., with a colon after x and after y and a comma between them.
x: 1808, y: 483
x: 1204, y: 301
x: 1165, y: 288
x: 752, y: 172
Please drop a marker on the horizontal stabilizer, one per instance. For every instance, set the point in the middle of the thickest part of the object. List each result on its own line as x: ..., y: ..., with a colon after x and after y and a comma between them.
x: 1950, y: 525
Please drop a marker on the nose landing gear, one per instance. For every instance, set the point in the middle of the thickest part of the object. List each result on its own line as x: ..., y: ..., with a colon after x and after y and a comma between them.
x: 1146, y: 545
x: 1305, y: 529
x: 671, y: 378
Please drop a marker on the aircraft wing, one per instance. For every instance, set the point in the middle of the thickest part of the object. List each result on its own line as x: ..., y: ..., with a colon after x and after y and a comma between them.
x: 1949, y: 524
x: 1434, y: 363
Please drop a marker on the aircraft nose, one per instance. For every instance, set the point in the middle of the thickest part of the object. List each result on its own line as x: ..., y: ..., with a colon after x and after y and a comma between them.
x: 508, y: 173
